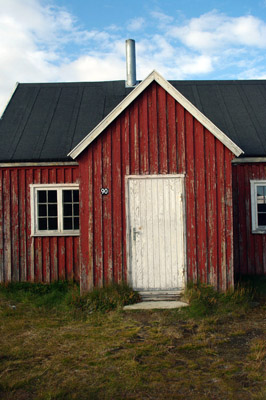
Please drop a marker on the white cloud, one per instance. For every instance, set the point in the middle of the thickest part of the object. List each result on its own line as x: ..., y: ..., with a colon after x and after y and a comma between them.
x: 136, y: 24
x: 213, y: 31
x: 41, y: 42
x: 162, y: 18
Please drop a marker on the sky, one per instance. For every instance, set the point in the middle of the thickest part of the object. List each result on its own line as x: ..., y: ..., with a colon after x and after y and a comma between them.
x: 84, y: 40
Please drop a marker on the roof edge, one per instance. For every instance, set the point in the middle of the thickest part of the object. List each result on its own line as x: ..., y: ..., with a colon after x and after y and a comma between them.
x: 155, y: 76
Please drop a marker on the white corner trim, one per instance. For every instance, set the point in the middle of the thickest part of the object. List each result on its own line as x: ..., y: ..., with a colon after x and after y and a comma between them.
x: 155, y: 76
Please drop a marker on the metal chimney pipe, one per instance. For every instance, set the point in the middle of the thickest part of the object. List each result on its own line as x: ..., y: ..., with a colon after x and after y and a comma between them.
x: 131, y: 62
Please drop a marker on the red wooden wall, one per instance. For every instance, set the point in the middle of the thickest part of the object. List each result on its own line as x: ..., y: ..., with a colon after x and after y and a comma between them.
x: 26, y: 258
x: 249, y: 248
x: 155, y: 135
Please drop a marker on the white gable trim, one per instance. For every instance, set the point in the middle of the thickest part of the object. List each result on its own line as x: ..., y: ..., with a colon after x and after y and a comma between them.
x: 155, y: 76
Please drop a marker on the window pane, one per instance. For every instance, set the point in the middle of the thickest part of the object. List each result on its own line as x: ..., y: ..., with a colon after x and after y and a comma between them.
x: 76, y: 223
x: 67, y: 210
x: 261, y: 207
x: 52, y: 224
x: 42, y: 210
x: 76, y: 196
x: 52, y: 196
x: 261, y: 194
x: 52, y: 210
x: 68, y: 224
x: 262, y: 219
x: 67, y: 196
x: 42, y: 197
x: 42, y: 224
x: 76, y: 209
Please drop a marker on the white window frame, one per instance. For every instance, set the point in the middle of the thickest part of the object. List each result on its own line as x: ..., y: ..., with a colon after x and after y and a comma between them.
x: 34, y: 209
x: 254, y: 213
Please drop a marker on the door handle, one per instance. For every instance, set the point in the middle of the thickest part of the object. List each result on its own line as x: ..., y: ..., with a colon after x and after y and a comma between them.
x: 135, y: 233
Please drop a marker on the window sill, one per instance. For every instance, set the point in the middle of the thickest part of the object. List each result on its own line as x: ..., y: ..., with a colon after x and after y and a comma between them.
x: 52, y: 234
x: 259, y: 231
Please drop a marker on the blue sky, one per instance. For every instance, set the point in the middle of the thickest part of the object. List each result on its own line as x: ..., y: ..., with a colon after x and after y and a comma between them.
x: 84, y: 40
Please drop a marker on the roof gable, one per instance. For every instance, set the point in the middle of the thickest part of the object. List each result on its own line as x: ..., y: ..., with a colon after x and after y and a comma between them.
x: 155, y: 76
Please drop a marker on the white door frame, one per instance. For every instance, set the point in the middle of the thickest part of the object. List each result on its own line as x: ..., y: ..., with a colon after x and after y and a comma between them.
x: 128, y: 243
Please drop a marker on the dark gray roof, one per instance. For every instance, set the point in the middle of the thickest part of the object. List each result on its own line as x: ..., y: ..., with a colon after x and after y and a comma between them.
x: 238, y: 108
x: 43, y: 122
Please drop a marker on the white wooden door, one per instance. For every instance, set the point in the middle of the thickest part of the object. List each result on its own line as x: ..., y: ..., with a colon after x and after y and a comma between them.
x: 155, y: 232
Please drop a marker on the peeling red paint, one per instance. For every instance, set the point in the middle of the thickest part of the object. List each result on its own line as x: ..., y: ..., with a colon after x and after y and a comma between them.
x: 27, y: 258
x: 156, y: 135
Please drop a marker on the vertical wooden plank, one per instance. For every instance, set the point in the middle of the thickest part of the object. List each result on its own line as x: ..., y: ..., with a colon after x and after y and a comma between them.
x: 117, y: 193
x: 242, y: 221
x: 86, y: 221
x: 107, y: 208
x: 54, y: 239
x: 163, y: 155
x: 29, y: 239
x: 134, y: 138
x: 38, y: 275
x: 69, y: 239
x: 172, y: 120
x: 221, y: 214
x: 200, y: 196
x: 76, y: 261
x: 61, y: 241
x: 46, y: 268
x: 7, y: 225
x: 15, y: 259
x: 143, y: 135
x: 181, y: 141
x: 1, y: 228
x: 250, y: 238
x: 236, y: 207
x: 98, y: 213
x: 190, y: 201
x: 229, y: 220
x: 125, y: 149
x: 152, y: 236
x: 75, y: 174
x: 169, y: 276
x: 211, y: 212
x: 22, y: 224
x: 153, y: 128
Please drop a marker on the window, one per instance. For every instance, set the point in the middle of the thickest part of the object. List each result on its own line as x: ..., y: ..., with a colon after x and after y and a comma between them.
x: 258, y: 206
x: 54, y: 209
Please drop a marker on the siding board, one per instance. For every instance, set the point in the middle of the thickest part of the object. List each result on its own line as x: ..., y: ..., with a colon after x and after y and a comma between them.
x: 27, y: 258
x: 249, y: 248
x: 211, y: 212
x: 200, y: 195
x: 107, y: 210
x: 98, y: 226
x: 192, y: 274
x: 153, y: 135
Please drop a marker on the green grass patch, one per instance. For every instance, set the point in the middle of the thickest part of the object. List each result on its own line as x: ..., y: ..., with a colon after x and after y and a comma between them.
x: 204, y: 300
x: 212, y: 351
x: 107, y: 298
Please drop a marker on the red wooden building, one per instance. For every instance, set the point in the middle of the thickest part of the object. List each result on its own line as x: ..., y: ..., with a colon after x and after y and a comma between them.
x: 160, y: 191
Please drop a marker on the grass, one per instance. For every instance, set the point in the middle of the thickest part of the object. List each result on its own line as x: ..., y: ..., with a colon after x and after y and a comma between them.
x: 56, y: 345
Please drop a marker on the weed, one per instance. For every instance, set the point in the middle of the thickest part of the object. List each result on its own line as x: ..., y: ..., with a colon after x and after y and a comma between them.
x: 205, y: 300
x: 107, y: 298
